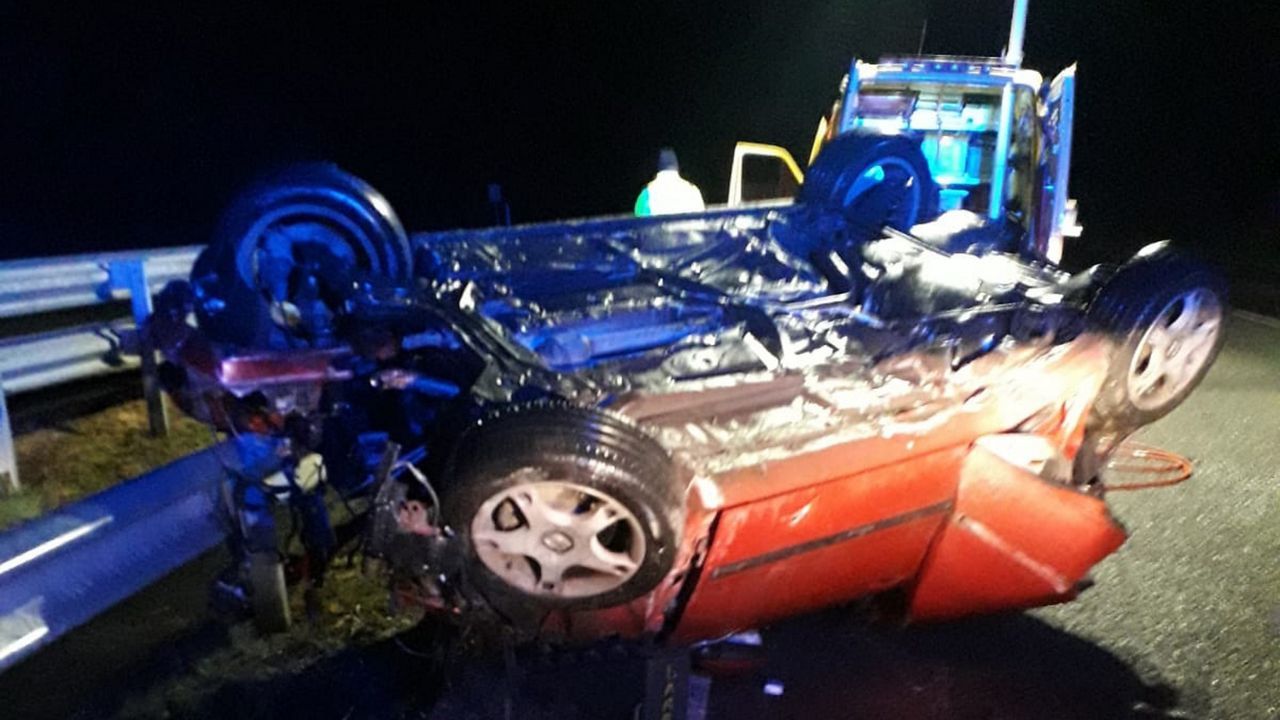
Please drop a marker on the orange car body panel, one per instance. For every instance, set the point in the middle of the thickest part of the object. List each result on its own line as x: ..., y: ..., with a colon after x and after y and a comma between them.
x: 820, y: 545
x: 1015, y: 540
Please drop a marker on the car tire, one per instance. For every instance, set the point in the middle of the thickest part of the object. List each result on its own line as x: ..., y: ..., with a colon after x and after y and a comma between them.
x: 268, y: 594
x: 559, y: 506
x: 1165, y: 316
x: 873, y: 180
x: 312, y: 228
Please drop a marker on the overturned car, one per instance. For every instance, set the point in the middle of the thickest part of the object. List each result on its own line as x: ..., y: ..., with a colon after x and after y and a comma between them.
x: 681, y: 427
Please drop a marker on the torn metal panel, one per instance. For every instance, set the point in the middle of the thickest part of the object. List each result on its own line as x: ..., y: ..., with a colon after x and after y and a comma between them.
x: 1015, y: 539
x: 761, y: 435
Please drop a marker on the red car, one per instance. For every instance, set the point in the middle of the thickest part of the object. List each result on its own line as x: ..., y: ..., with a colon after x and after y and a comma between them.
x: 681, y: 427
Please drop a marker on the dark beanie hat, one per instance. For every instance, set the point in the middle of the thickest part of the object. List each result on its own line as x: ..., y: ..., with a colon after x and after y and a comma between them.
x: 667, y: 160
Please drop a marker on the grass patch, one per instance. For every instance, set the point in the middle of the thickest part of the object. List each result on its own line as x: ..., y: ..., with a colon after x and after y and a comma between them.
x: 62, y: 463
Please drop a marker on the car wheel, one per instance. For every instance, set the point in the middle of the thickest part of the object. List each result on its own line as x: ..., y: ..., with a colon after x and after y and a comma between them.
x: 1166, y: 320
x: 269, y: 597
x: 873, y: 181
x: 560, y: 506
x: 289, y: 251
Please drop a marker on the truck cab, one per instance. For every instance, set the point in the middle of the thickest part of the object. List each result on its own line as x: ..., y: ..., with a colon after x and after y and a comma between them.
x: 996, y: 137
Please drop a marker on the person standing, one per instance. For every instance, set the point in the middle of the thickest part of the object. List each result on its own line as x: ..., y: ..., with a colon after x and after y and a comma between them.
x: 668, y: 193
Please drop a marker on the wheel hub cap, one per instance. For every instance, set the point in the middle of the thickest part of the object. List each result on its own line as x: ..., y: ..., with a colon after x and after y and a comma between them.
x: 558, y: 542
x: 557, y: 538
x: 1174, y: 349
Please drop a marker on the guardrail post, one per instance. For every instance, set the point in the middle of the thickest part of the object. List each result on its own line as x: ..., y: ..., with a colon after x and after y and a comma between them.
x: 8, y: 459
x: 131, y: 275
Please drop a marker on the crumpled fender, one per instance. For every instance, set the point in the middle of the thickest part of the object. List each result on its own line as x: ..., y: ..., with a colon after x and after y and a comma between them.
x: 1020, y: 535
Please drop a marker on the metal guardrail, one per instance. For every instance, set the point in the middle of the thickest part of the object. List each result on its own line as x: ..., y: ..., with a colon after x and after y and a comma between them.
x: 33, y: 286
x: 41, y: 360
x: 66, y: 567
x: 39, y: 285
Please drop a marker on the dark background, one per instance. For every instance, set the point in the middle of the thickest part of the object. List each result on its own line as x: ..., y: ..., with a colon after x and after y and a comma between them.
x: 130, y: 124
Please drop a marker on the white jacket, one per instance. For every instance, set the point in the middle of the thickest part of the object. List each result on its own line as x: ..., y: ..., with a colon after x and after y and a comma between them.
x: 669, y: 194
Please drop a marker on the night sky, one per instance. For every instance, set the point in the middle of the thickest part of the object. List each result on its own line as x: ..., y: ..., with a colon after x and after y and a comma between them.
x: 130, y: 124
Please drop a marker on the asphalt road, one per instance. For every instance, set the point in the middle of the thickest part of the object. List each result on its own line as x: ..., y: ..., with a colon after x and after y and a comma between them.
x: 1183, y: 623
x: 1193, y: 599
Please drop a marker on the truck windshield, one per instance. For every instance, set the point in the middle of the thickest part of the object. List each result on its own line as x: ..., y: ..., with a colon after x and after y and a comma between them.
x: 957, y: 127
